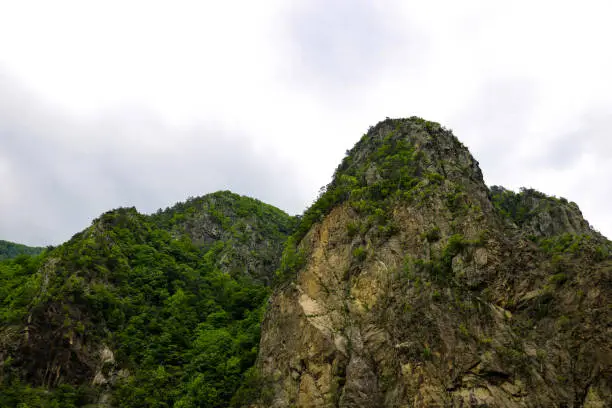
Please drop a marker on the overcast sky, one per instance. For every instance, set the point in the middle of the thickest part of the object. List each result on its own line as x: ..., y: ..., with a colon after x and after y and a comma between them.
x: 145, y: 103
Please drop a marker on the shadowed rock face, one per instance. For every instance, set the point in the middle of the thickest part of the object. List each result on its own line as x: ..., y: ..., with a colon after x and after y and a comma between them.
x: 417, y: 287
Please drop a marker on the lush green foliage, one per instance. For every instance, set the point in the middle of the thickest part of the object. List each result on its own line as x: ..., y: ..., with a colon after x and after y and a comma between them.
x: 576, y: 245
x: 11, y: 250
x: 183, y: 331
x: 292, y: 260
x: 19, y: 284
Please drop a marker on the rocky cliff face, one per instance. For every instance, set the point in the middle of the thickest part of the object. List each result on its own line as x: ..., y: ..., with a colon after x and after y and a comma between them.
x: 411, y: 284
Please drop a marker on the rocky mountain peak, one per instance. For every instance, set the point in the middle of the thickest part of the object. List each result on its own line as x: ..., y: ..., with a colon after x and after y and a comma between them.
x: 435, y: 148
x: 406, y: 152
x: 404, y: 160
x: 408, y: 283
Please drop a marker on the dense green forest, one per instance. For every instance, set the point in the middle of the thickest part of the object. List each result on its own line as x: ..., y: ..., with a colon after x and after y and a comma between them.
x: 11, y: 250
x: 183, y: 331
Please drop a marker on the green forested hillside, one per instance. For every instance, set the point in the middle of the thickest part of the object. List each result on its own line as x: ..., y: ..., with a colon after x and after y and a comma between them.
x: 134, y: 312
x: 11, y: 250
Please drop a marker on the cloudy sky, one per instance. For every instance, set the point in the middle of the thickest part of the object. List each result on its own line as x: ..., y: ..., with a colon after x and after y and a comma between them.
x: 145, y: 103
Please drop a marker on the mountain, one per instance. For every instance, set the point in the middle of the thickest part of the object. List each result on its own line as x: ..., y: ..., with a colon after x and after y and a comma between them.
x: 409, y: 283
x: 138, y: 310
x: 11, y: 250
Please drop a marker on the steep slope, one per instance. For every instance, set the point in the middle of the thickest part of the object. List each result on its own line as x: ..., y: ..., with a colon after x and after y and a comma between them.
x: 129, y: 314
x: 10, y: 250
x: 410, y: 284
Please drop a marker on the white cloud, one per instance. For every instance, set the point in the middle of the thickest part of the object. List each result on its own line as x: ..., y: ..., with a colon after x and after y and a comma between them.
x: 140, y: 94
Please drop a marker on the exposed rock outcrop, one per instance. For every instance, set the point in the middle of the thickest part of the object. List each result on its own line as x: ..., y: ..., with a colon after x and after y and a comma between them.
x: 413, y: 289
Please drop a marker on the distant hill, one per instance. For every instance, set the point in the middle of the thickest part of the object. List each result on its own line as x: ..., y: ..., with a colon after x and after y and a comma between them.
x: 10, y: 250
